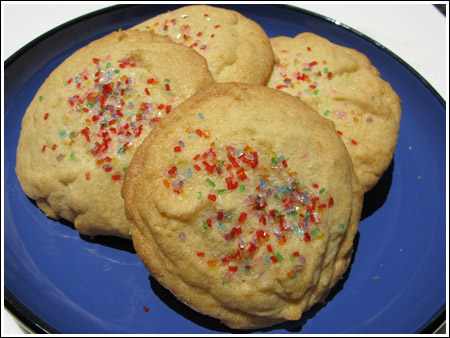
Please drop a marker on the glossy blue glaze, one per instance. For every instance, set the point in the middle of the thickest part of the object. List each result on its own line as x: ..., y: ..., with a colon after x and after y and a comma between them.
x: 395, y: 284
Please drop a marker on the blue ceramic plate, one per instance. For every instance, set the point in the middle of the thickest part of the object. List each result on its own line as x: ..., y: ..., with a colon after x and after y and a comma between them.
x: 59, y: 281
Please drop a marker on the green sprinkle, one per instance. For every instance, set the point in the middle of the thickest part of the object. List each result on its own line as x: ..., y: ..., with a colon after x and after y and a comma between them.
x: 316, y: 74
x: 71, y: 136
x: 225, y: 283
x: 321, y: 191
x: 279, y: 257
x: 242, y: 188
x: 117, y: 71
x: 326, y: 113
x: 72, y: 156
x: 293, y: 214
x: 62, y: 133
x: 274, y: 160
x: 202, y: 117
x: 294, y: 276
x: 291, y: 257
x: 221, y: 191
x: 298, y: 97
x: 205, y: 225
x: 325, y: 70
x: 341, y: 226
x: 199, y: 195
x: 168, y: 92
x: 108, y: 65
x: 125, y: 168
x: 276, y: 197
x: 121, y: 150
x: 166, y: 80
x: 211, y: 183
x: 373, y: 98
x: 316, y: 92
x: 306, y: 69
x: 315, y: 231
x: 40, y: 98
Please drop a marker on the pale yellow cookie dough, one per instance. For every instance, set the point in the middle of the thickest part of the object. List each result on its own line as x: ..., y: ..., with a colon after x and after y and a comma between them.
x: 244, y: 204
x: 85, y: 122
x: 343, y: 86
x: 236, y: 48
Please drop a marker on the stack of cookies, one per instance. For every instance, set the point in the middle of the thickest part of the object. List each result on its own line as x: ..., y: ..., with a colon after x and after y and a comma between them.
x: 236, y: 163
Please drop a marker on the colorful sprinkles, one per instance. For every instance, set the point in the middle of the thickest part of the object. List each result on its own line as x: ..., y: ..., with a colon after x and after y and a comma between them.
x: 114, y: 114
x: 277, y: 209
x: 187, y: 32
x: 309, y: 78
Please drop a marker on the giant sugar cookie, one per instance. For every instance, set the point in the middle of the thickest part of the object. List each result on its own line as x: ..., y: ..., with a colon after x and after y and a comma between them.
x: 342, y: 85
x: 81, y: 129
x: 236, y: 48
x: 244, y: 204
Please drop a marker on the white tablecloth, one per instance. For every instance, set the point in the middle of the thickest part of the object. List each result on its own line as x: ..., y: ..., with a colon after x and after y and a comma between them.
x: 417, y: 33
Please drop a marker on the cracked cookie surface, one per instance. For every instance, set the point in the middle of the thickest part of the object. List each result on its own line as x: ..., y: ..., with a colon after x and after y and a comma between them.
x: 342, y: 85
x: 244, y: 204
x: 80, y: 131
x: 236, y: 48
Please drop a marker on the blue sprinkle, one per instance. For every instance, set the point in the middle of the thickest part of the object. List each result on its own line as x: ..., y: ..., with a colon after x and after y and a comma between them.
x: 202, y: 117
x: 262, y: 184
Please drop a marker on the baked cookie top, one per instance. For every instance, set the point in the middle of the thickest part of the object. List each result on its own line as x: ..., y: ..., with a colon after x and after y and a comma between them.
x: 236, y: 48
x: 343, y: 86
x: 81, y: 129
x: 244, y: 203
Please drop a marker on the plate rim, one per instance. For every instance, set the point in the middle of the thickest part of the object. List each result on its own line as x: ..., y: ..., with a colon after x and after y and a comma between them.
x: 37, y: 325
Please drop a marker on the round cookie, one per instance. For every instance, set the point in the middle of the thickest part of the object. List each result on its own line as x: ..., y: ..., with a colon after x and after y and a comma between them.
x: 81, y: 129
x: 236, y: 48
x: 342, y: 85
x: 244, y: 204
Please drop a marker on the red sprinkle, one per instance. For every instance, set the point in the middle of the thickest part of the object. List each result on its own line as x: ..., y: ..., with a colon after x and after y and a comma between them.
x: 116, y: 177
x: 145, y: 308
x: 242, y: 217
x: 212, y: 197
x: 200, y: 254
x: 88, y: 176
x: 172, y: 170
x: 330, y: 202
x: 46, y: 116
x: 177, y: 149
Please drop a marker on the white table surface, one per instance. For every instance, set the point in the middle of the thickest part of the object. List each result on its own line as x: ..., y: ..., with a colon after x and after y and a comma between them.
x: 417, y: 33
